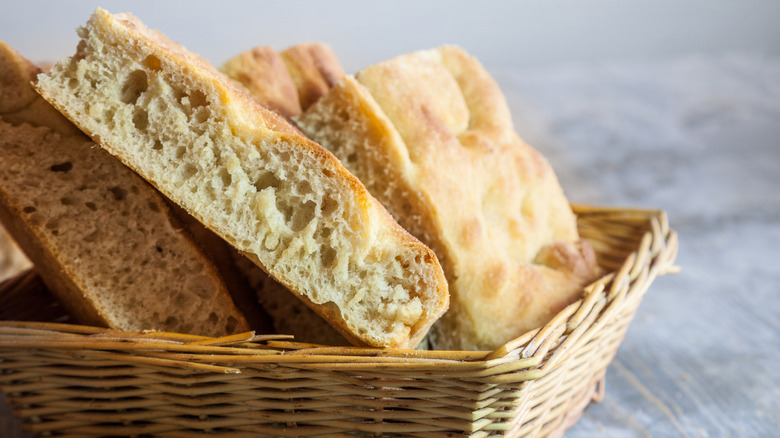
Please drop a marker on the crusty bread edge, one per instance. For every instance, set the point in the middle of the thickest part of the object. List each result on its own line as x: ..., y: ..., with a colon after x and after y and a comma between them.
x: 251, y: 118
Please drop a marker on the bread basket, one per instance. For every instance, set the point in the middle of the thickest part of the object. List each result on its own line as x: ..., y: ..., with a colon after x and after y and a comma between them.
x: 69, y: 380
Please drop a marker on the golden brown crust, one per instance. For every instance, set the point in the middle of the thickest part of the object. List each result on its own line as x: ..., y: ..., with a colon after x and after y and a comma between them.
x: 314, y: 69
x: 464, y: 183
x: 263, y: 72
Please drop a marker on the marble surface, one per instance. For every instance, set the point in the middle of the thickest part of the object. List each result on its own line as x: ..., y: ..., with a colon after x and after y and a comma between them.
x: 697, y: 135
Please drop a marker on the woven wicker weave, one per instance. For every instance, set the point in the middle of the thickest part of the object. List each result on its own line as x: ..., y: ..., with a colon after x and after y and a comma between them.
x: 68, y: 380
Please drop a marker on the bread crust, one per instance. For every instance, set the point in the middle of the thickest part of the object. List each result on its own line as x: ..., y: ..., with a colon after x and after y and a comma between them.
x: 431, y: 136
x: 251, y: 124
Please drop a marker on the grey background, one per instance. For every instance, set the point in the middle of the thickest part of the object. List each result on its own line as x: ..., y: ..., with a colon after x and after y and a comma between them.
x: 500, y: 33
x: 661, y: 104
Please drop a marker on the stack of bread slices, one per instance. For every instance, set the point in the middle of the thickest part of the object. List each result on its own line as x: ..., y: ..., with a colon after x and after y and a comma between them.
x: 278, y: 193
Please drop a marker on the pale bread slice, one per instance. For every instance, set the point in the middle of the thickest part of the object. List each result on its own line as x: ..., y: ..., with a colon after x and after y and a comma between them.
x: 100, y: 237
x: 273, y: 88
x: 244, y: 172
x: 430, y: 135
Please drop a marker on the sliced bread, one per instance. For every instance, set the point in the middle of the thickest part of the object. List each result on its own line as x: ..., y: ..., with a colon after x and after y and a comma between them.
x: 100, y: 236
x: 273, y: 88
x: 430, y: 135
x: 248, y: 175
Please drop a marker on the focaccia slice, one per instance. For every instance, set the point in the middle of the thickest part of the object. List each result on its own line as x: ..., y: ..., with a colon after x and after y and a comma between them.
x: 430, y: 135
x: 247, y: 174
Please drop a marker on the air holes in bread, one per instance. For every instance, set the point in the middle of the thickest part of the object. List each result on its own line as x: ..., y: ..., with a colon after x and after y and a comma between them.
x: 225, y: 177
x: 327, y: 257
x: 265, y: 180
x: 329, y: 206
x: 119, y: 193
x: 189, y: 171
x: 92, y: 237
x: 303, y: 188
x: 303, y: 215
x: 53, y: 224
x: 202, y: 114
x: 230, y: 325
x: 135, y: 84
x: 152, y: 62
x: 62, y: 167
x: 140, y: 119
x: 198, y: 99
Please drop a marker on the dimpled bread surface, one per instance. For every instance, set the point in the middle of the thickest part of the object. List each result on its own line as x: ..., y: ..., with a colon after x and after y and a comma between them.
x: 430, y: 135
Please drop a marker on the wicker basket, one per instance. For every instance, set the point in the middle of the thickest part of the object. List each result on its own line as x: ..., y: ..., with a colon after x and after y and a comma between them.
x: 69, y: 380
